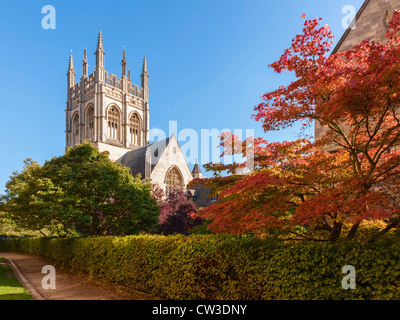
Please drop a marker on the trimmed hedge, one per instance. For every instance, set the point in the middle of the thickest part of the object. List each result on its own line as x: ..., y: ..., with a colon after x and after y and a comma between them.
x: 227, y: 267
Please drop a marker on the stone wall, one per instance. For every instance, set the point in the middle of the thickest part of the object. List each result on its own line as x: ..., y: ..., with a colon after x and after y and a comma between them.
x: 168, y: 159
x: 115, y: 152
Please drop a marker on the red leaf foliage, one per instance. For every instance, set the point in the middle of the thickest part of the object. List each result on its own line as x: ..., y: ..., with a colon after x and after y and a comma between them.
x: 354, y: 95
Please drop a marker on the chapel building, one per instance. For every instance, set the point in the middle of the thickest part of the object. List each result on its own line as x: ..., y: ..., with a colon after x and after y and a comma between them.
x: 113, y: 113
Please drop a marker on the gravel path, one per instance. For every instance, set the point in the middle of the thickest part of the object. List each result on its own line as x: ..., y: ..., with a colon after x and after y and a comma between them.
x: 69, y: 285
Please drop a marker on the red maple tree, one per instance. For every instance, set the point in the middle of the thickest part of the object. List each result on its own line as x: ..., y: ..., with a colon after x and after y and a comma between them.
x: 333, y: 183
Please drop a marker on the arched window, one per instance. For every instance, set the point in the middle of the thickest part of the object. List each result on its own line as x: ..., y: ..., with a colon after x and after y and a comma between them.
x: 113, y: 123
x: 134, y: 129
x: 75, y: 130
x: 90, y: 124
x: 173, y: 181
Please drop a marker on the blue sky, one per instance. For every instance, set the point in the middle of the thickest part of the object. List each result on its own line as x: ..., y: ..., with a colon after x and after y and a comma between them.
x: 207, y: 62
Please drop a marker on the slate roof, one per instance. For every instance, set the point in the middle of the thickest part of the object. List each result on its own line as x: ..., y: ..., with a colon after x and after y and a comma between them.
x: 196, y: 168
x: 136, y: 159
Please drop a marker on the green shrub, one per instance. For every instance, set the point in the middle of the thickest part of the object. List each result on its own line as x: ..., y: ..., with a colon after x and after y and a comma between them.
x: 227, y: 267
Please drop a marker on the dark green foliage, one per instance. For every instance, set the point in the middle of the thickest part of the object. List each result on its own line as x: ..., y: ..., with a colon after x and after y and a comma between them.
x: 228, y: 267
x: 80, y: 193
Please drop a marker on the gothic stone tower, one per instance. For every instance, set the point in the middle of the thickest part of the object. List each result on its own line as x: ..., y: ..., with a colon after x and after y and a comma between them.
x: 110, y: 111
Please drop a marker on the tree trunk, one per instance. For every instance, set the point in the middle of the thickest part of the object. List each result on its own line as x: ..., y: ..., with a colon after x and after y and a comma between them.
x: 387, y: 229
x: 336, y: 230
x: 353, y: 231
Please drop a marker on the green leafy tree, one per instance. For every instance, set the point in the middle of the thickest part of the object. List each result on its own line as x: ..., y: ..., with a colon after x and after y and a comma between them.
x: 32, y: 200
x: 82, y: 191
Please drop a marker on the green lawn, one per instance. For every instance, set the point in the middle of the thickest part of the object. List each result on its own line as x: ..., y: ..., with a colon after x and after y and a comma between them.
x: 10, y: 287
